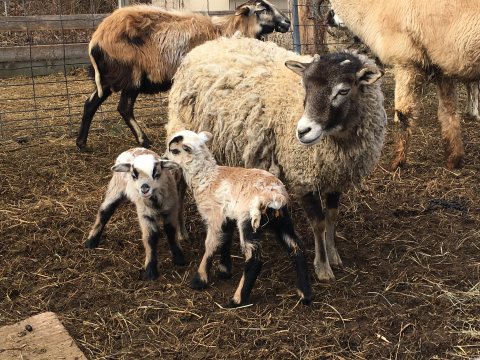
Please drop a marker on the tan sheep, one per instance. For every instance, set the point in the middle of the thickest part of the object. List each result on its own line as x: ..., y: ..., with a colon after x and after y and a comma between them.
x: 420, y: 38
x: 241, y: 91
x: 137, y: 49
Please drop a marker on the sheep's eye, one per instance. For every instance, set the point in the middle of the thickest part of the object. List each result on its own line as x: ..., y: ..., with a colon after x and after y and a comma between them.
x: 156, y: 175
x: 188, y: 149
x: 343, y: 91
x: 135, y: 174
x: 175, y: 151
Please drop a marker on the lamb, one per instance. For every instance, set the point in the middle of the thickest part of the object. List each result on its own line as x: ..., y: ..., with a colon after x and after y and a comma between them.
x: 253, y: 199
x: 145, y: 179
x: 413, y: 36
x: 241, y: 91
x: 137, y: 49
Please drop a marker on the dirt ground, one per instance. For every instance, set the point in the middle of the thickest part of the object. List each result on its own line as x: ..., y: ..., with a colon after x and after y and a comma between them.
x: 409, y: 288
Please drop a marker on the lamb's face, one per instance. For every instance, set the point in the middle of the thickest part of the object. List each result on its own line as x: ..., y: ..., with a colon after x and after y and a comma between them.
x: 184, y: 146
x: 145, y: 172
x: 333, y: 85
x: 268, y: 17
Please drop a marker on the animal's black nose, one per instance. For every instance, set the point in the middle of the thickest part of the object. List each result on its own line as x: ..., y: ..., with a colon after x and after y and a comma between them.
x: 287, y: 20
x: 302, y: 132
x: 145, y: 188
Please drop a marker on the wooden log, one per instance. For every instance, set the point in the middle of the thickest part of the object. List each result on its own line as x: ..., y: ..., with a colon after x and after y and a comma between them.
x: 43, y: 52
x: 39, y: 337
x: 306, y: 24
x: 50, y: 22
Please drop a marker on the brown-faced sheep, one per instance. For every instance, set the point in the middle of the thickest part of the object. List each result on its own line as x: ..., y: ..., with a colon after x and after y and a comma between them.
x: 420, y: 39
x: 241, y: 91
x: 142, y: 177
x: 137, y: 50
x: 251, y: 199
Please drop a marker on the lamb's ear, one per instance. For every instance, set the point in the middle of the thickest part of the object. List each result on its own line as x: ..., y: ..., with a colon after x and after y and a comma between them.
x: 369, y: 74
x: 246, y: 10
x: 205, y: 136
x: 259, y: 7
x: 296, y: 67
x: 125, y: 167
x: 167, y: 164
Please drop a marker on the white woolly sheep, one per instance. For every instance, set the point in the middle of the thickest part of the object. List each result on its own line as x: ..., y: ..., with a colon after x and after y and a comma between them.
x: 145, y: 179
x: 137, y: 49
x: 241, y: 91
x: 254, y: 199
x: 420, y: 39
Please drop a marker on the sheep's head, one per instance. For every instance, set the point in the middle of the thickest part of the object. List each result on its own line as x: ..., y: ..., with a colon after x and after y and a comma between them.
x: 334, y: 84
x: 146, y: 172
x: 268, y: 17
x: 184, y: 146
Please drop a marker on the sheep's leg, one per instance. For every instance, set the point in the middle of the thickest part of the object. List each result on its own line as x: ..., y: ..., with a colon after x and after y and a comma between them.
x: 182, y: 190
x: 125, y: 108
x: 113, y: 199
x: 408, y: 86
x: 225, y: 265
x: 450, y: 121
x: 471, y: 108
x: 250, y: 243
x: 286, y: 236
x: 332, y: 200
x: 89, y: 109
x: 150, y: 235
x: 312, y: 205
x: 200, y: 279
x: 171, y: 228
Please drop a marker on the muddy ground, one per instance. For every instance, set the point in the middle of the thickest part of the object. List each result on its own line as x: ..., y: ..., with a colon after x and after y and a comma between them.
x: 409, y: 288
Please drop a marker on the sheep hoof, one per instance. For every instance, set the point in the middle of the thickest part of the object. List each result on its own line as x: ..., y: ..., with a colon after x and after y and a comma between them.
x: 232, y: 304
x: 335, y: 260
x: 397, y: 162
x: 179, y: 259
x: 91, y: 243
x: 455, y: 161
x: 224, y: 274
x: 151, y: 272
x: 197, y: 283
x: 306, y: 301
x: 324, y: 273
x: 146, y: 143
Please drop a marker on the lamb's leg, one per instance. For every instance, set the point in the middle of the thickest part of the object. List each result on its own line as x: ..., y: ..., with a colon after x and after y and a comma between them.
x: 150, y: 235
x: 113, y: 198
x: 471, y: 108
x: 408, y: 86
x: 125, y: 108
x: 450, y: 121
x: 312, y: 205
x: 89, y: 109
x: 171, y: 228
x: 250, y: 243
x: 332, y: 200
x: 182, y: 190
x: 225, y: 265
x: 200, y: 279
x: 286, y: 235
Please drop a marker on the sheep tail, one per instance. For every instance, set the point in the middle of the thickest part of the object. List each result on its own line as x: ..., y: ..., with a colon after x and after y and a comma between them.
x: 95, y: 69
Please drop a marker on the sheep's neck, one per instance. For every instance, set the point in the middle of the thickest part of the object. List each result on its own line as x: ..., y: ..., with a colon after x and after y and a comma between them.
x: 199, y: 173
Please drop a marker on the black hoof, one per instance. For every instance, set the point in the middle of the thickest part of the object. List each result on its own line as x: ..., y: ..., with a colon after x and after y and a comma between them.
x: 232, y: 304
x: 197, y: 283
x: 151, y: 273
x: 146, y: 143
x: 306, y: 301
x: 91, y: 243
x: 179, y: 259
x: 224, y: 274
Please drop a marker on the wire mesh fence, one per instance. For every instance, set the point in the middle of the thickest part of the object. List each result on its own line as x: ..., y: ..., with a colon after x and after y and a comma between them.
x: 44, y: 80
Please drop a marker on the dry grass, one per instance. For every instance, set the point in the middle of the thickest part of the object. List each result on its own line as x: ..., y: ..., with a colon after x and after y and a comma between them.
x: 409, y: 288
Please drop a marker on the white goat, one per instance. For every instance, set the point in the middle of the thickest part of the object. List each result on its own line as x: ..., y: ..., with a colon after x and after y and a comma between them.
x: 142, y: 177
x: 253, y: 198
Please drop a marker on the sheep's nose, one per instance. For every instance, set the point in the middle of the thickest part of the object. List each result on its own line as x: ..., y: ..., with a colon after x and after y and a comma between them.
x: 287, y: 20
x: 145, y: 188
x: 302, y: 132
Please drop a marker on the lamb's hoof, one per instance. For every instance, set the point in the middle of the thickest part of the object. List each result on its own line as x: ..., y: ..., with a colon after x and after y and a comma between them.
x: 324, y: 273
x: 91, y: 243
x: 306, y: 301
x: 197, y: 283
x: 146, y: 143
x: 151, y: 273
x: 179, y: 259
x: 455, y: 161
x: 224, y: 272
x: 232, y: 304
x: 398, y: 161
x: 81, y: 146
x: 335, y: 260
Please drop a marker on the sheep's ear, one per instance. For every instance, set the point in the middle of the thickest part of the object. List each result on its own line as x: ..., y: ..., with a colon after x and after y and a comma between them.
x: 246, y: 10
x: 125, y: 167
x: 205, y: 136
x: 167, y: 164
x: 369, y: 74
x: 296, y: 67
x: 259, y: 7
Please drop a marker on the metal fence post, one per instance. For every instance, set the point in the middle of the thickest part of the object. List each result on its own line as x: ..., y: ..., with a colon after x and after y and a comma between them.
x: 122, y: 3
x: 297, y: 47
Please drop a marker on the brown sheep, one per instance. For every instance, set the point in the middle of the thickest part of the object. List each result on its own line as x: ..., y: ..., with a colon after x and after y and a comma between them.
x: 421, y: 39
x: 137, y: 49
